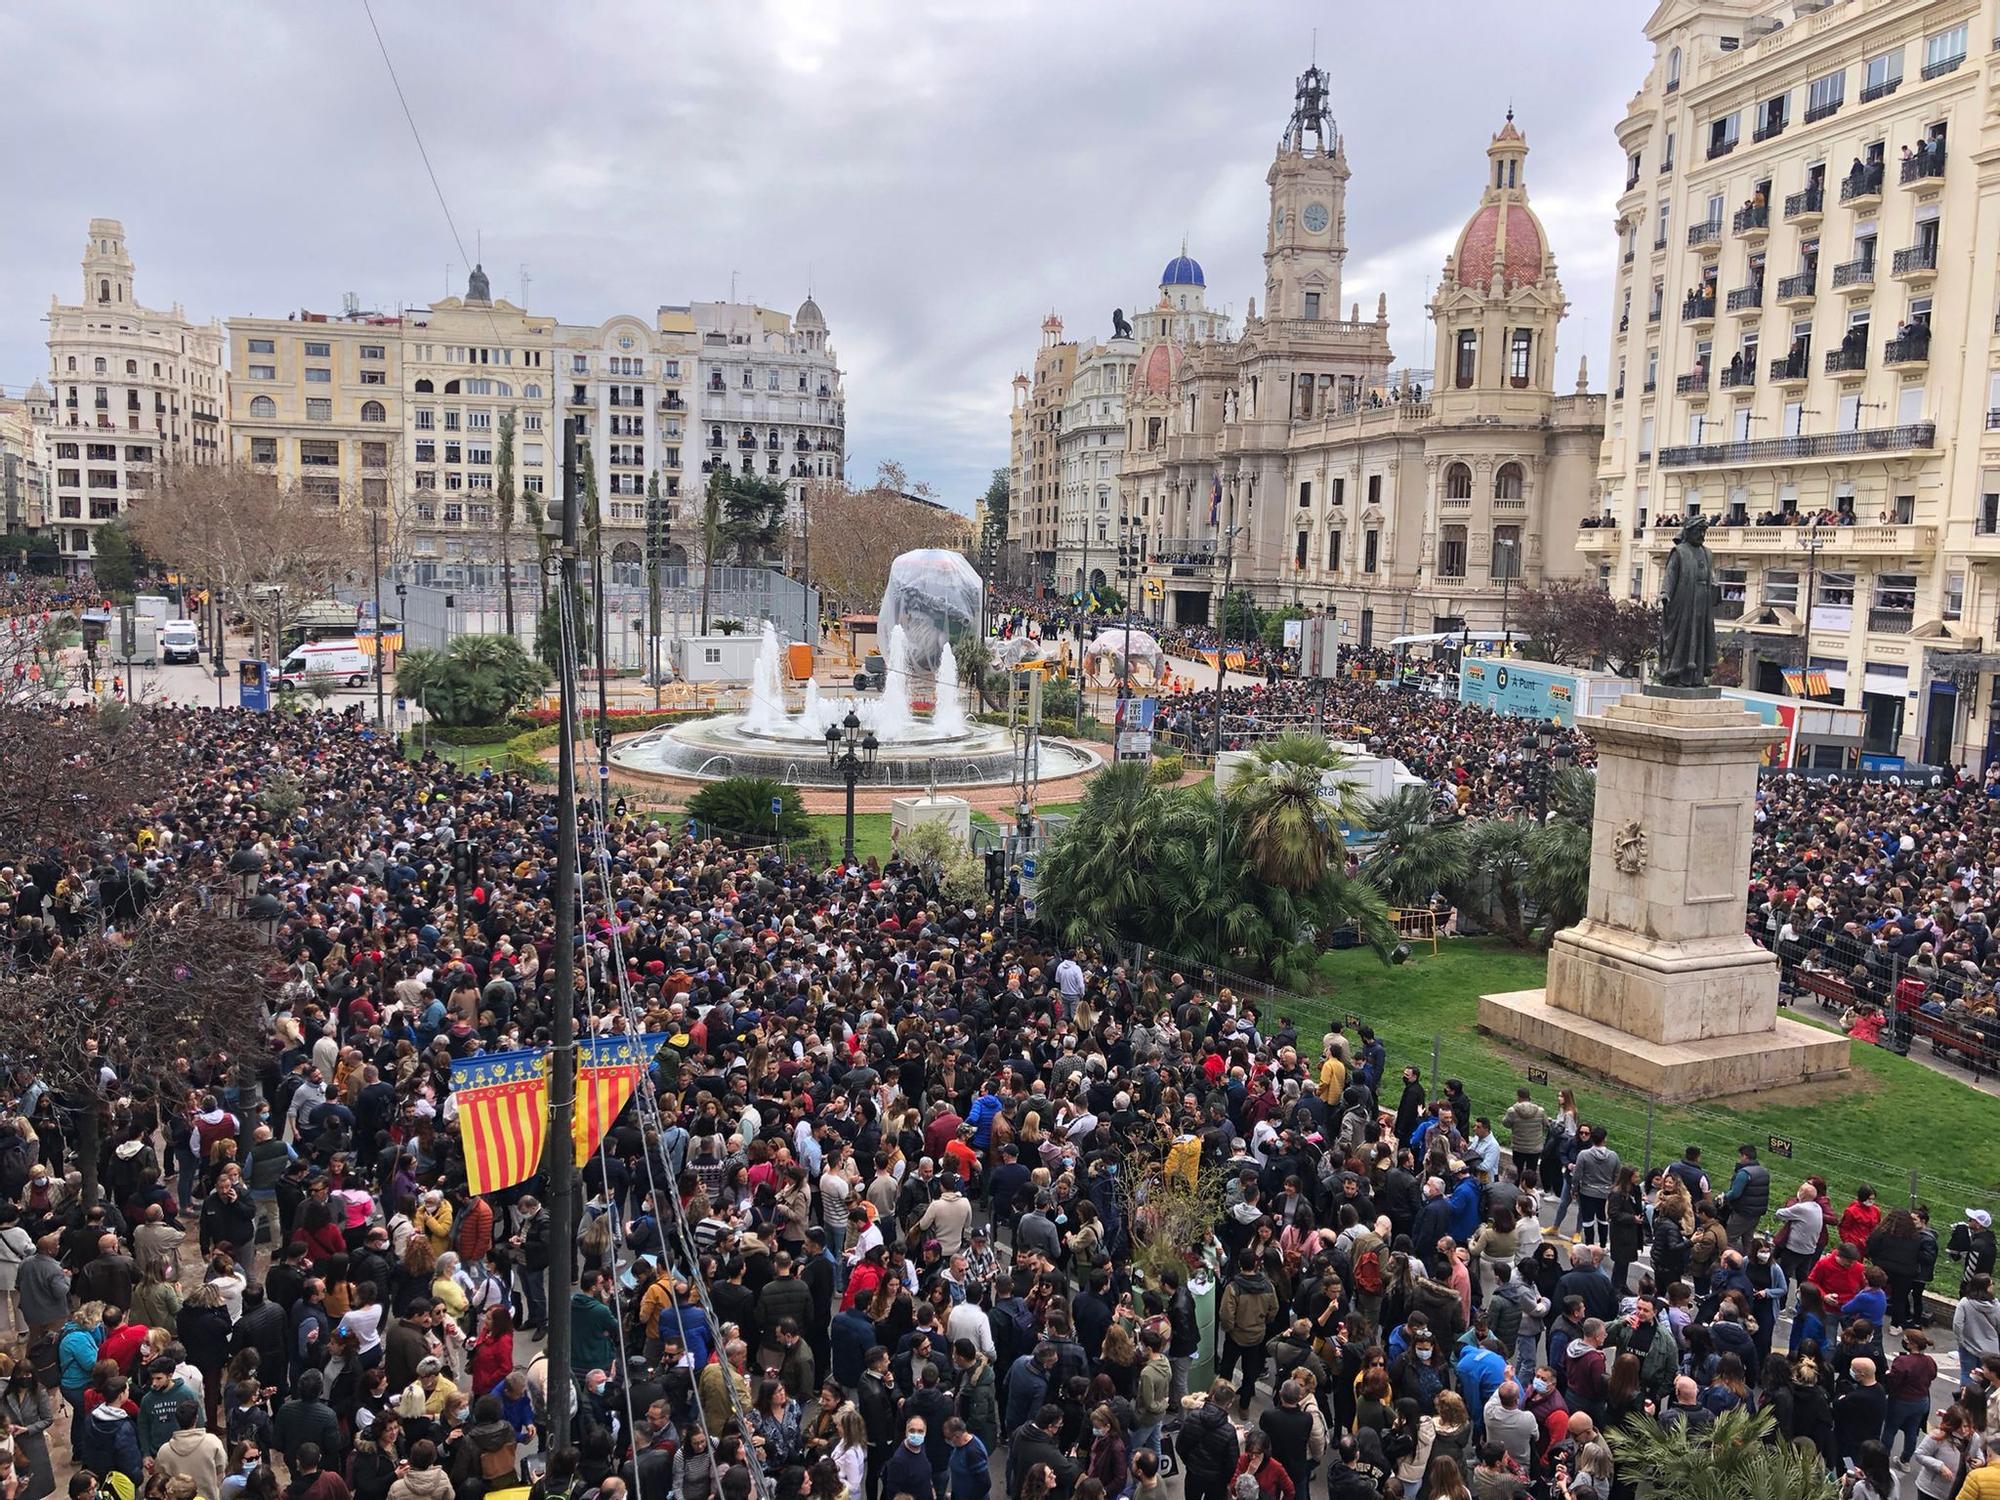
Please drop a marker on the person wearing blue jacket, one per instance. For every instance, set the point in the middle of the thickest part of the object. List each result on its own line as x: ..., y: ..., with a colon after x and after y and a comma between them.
x: 971, y: 1466
x: 76, y: 1353
x: 980, y: 1116
x: 687, y: 1321
x: 1482, y: 1369
x: 1465, y: 1209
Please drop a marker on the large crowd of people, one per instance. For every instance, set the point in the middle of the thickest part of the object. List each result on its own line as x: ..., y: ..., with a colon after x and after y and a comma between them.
x: 889, y: 1218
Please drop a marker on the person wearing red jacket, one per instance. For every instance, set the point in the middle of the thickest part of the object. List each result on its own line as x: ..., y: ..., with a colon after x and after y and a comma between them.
x: 1861, y: 1218
x: 1838, y: 1275
x: 493, y: 1352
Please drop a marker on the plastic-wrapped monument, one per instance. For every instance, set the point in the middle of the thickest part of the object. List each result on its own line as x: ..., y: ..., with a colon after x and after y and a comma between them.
x: 934, y: 594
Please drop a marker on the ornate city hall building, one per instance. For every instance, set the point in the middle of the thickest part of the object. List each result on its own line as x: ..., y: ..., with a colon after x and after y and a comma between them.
x: 1291, y: 462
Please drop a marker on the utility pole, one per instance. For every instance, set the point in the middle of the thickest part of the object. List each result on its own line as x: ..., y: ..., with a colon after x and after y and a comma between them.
x: 1813, y: 541
x: 1506, y: 592
x: 1082, y: 608
x: 560, y: 1162
x: 375, y: 566
x: 656, y: 557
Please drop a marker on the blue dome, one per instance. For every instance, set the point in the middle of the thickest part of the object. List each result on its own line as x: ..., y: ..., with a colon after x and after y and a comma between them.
x: 1182, y: 271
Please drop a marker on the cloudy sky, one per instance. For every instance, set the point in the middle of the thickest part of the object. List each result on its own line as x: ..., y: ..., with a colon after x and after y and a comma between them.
x: 941, y: 174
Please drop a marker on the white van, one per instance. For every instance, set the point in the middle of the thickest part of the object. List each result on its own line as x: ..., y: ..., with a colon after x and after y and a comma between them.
x: 180, y: 641
x: 326, y: 661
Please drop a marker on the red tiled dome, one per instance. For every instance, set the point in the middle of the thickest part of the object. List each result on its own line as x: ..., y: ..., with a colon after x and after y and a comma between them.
x: 1158, y: 372
x: 1521, y: 263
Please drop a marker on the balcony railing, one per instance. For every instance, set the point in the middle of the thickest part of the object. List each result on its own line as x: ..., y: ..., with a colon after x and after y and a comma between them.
x: 1705, y: 234
x: 1923, y: 164
x: 1773, y: 125
x: 1721, y: 148
x: 1891, y: 621
x: 1817, y: 112
x: 1943, y: 66
x: 1807, y: 203
x: 1744, y: 298
x: 1698, y: 308
x: 1855, y: 273
x: 1847, y: 361
x: 1918, y: 260
x: 1751, y: 219
x: 1866, y: 183
x: 1737, y: 376
x: 1694, y: 380
x: 1797, y: 288
x: 1859, y: 441
x: 1881, y: 90
x: 1911, y: 348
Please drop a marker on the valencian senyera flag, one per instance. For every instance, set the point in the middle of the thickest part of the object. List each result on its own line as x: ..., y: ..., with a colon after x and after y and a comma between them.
x: 503, y: 1105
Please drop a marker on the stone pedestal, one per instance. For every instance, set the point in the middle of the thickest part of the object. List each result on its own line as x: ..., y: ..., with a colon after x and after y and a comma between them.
x: 1659, y: 987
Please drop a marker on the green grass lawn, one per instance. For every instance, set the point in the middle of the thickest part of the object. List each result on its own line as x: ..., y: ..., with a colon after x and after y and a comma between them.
x: 1892, y: 1116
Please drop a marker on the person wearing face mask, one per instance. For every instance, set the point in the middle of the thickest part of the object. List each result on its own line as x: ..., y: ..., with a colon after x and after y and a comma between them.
x: 1768, y: 1289
x: 908, y: 1471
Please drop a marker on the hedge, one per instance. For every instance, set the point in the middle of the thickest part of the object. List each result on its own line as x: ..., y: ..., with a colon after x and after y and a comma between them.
x: 473, y: 734
x: 523, y: 753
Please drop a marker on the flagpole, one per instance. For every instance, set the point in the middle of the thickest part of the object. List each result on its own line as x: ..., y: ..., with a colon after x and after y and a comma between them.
x: 562, y: 1029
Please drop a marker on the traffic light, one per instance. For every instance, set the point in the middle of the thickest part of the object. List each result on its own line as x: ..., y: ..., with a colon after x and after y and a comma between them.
x: 658, y: 531
x: 464, y: 863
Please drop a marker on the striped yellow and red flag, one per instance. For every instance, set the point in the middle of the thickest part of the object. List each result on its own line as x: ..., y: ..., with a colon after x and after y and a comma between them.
x: 606, y: 1073
x: 503, y: 1116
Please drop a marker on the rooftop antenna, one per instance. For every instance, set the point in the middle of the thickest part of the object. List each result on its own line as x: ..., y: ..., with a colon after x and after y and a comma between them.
x: 1315, y: 58
x: 526, y: 280
x: 732, y: 286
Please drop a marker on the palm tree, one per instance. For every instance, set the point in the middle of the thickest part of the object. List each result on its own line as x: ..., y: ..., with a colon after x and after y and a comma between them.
x: 1210, y: 909
x: 1556, y: 878
x: 975, y: 659
x: 1735, y: 1459
x: 1291, y: 820
x: 1414, y: 854
x: 504, y: 498
x: 1099, y: 880
x: 1497, y: 848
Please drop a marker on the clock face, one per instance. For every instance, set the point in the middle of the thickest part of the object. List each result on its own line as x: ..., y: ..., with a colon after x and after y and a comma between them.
x: 1315, y: 217
x: 1278, y: 223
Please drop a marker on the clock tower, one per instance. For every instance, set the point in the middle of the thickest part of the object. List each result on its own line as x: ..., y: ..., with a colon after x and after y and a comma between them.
x: 1306, y: 239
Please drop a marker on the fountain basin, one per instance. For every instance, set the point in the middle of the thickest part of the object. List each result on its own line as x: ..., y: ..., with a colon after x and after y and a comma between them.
x: 924, y: 755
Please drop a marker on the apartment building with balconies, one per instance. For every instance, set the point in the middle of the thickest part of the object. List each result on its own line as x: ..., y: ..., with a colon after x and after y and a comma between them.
x: 131, y: 388
x: 768, y: 397
x: 632, y: 384
x: 317, y: 399
x: 1805, y: 347
x: 468, y: 363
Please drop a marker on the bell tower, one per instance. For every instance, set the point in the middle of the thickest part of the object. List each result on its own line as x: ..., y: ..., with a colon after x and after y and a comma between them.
x: 107, y: 269
x: 1306, y: 239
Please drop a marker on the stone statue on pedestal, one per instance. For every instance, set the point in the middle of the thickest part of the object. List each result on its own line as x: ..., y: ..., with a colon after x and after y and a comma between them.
x: 1120, y: 328
x: 1687, y: 611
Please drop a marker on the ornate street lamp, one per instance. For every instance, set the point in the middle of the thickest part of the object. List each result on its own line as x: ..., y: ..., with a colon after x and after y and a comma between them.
x: 852, y: 753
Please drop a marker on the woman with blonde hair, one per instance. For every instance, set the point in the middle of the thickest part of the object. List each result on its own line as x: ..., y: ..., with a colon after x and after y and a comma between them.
x: 850, y: 1453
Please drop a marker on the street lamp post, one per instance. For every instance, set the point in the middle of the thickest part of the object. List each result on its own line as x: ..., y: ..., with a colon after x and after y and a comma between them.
x: 852, y: 753
x: 1222, y: 638
x: 1505, y: 547
x: 1814, y: 540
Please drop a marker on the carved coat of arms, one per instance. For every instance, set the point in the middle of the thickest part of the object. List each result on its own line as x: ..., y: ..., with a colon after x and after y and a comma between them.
x: 1628, y: 847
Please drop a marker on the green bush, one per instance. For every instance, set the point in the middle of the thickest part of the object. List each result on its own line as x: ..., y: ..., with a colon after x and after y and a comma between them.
x: 473, y: 734
x: 478, y: 680
x: 739, y: 809
x: 1168, y: 768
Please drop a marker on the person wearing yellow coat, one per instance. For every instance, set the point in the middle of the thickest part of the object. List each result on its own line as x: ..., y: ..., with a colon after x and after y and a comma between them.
x: 1184, y: 1158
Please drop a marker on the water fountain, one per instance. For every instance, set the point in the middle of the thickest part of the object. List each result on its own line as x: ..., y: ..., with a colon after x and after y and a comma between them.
x: 770, y: 738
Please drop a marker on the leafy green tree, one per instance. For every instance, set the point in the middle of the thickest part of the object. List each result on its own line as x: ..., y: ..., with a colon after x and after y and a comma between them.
x: 1557, y: 874
x: 942, y: 855
x: 753, y: 518
x: 1414, y: 854
x: 1498, y: 849
x: 548, y: 629
x: 1242, y: 620
x: 1272, y: 633
x: 118, y: 562
x: 503, y: 497
x: 1058, y: 702
x: 738, y: 809
x: 480, y: 679
x: 1103, y: 871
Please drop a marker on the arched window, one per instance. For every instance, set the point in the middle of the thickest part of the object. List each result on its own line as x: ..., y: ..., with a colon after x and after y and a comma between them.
x: 263, y: 406
x: 451, y: 387
x: 98, y: 365
x: 104, y: 289
x: 72, y: 364
x: 132, y: 367
x: 1508, y: 483
x: 1673, y: 70
x: 1458, y: 482
x: 531, y: 392
x: 423, y: 387
x: 156, y: 369
x: 373, y: 411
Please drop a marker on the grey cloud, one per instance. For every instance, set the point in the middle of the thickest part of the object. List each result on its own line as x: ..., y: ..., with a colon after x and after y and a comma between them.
x: 943, y: 174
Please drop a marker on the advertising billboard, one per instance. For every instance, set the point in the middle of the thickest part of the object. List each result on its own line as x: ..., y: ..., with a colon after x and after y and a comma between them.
x: 1511, y: 687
